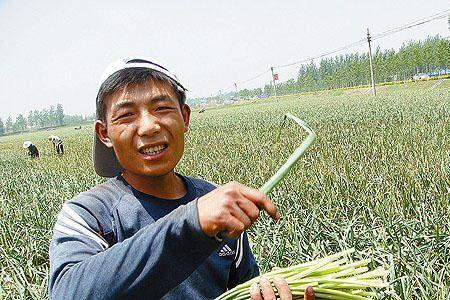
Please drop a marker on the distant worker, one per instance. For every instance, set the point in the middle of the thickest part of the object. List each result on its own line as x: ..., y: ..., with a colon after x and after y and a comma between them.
x: 57, y: 143
x: 32, y: 149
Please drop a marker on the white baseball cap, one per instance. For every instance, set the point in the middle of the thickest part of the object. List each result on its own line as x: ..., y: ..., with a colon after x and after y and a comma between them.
x: 26, y: 144
x: 104, y: 158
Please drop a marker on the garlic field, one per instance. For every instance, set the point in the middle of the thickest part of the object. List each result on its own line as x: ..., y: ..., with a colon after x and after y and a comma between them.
x: 377, y: 179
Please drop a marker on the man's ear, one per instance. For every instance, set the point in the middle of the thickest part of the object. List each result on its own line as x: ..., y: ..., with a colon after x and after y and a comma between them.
x: 102, y: 133
x: 186, y: 111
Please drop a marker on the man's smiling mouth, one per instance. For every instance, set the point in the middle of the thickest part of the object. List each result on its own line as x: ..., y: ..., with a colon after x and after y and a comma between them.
x: 153, y: 150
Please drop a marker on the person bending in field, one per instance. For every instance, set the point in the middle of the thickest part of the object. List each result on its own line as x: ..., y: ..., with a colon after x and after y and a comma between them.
x: 149, y: 232
x: 32, y: 149
x: 57, y: 144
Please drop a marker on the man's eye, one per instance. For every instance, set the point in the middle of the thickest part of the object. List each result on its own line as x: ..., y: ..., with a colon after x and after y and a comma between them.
x: 124, y: 115
x: 164, y: 108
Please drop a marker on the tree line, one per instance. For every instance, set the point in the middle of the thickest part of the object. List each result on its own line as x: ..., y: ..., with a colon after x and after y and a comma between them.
x: 430, y: 56
x: 38, y: 119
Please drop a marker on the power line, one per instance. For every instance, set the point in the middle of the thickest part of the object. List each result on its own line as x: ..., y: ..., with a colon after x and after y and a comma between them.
x: 436, y: 16
x: 422, y: 21
x: 378, y: 36
x: 362, y: 41
x: 245, y: 81
x: 253, y: 78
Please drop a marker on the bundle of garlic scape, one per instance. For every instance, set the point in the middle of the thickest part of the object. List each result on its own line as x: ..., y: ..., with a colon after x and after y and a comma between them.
x: 331, y: 277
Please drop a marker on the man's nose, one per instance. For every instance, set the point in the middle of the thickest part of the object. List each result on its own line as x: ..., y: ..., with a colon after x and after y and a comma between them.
x: 148, y: 125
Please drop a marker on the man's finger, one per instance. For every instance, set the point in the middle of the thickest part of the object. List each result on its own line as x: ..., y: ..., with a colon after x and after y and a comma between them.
x: 255, y: 293
x: 283, y: 288
x: 250, y: 209
x: 309, y: 293
x: 261, y: 200
x: 266, y: 288
x: 241, y: 216
x: 234, y: 228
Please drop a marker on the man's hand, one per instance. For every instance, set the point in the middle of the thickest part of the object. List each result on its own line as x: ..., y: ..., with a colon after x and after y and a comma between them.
x: 264, y: 290
x: 231, y: 209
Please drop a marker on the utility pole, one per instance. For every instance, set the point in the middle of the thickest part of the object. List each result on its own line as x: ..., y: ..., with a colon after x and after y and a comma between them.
x: 274, y: 85
x: 236, y: 93
x: 371, y: 66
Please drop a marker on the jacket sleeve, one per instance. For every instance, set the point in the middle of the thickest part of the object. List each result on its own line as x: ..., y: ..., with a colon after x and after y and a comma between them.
x: 245, y: 266
x: 149, y: 264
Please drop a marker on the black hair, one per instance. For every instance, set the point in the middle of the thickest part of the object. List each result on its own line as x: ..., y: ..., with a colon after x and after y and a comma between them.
x: 122, y: 78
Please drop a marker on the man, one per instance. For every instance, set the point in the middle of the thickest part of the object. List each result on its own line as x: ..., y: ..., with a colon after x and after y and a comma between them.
x: 148, y: 232
x: 57, y: 144
x: 32, y: 149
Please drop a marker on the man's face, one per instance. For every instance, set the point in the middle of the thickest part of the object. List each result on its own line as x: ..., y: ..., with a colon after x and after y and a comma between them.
x: 145, y: 125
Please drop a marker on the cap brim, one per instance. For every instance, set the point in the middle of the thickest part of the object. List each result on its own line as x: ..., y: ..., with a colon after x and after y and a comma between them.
x: 105, y: 160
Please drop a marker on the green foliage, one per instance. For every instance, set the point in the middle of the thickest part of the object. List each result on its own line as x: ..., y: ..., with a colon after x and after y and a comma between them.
x: 2, y: 127
x: 352, y: 69
x: 377, y: 179
x: 9, y: 124
x: 59, y: 115
x: 348, y: 70
x: 45, y: 118
x: 20, y: 124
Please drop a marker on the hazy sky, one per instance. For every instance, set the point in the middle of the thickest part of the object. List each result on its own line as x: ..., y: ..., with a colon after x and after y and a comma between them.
x: 55, y: 51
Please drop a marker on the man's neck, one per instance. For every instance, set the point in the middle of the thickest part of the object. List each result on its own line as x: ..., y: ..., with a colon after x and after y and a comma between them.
x: 169, y: 186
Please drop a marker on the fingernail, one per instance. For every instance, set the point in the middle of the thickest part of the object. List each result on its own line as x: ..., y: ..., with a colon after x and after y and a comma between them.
x: 277, y: 216
x: 309, y: 291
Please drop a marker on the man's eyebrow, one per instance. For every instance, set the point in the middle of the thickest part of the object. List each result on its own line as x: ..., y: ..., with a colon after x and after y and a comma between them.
x: 121, y: 104
x: 161, y: 98
x: 127, y: 102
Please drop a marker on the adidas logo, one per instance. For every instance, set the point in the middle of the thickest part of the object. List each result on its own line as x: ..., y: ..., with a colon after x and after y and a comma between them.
x: 226, y: 251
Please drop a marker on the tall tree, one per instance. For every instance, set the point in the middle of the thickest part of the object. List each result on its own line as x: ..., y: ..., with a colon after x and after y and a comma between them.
x: 31, y: 121
x: 52, y: 116
x: 59, y: 114
x: 21, y: 123
x: 9, y: 124
x: 37, y: 118
x: 45, y: 120
x: 2, y: 127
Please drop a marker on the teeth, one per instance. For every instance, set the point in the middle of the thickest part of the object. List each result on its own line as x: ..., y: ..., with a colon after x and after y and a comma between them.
x: 153, y: 150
